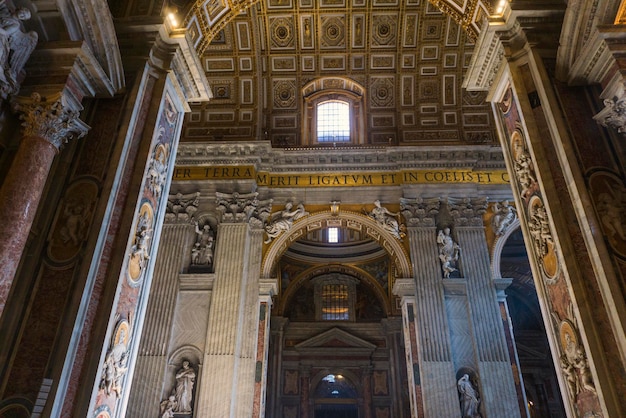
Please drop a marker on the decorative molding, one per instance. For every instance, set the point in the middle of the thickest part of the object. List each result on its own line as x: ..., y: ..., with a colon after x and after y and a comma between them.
x: 467, y: 211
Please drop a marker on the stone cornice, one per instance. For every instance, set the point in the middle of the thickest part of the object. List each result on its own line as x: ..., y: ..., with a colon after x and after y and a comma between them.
x: 265, y: 158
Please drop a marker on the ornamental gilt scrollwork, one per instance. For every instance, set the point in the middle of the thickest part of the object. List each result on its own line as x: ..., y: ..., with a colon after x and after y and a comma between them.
x: 420, y: 211
x: 50, y: 118
x: 241, y: 208
x: 282, y: 221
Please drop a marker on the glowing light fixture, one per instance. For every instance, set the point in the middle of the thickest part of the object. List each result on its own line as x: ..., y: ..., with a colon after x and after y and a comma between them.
x: 172, y: 18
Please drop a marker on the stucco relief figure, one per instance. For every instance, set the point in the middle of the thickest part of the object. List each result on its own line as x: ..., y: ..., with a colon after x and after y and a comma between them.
x: 448, y: 252
x: 283, y: 220
x: 539, y: 228
x: 386, y: 219
x: 523, y: 166
x: 73, y: 230
x: 570, y: 376
x: 115, y: 364
x: 140, y: 250
x: 202, y: 251
x: 468, y: 397
x: 582, y: 366
x: 157, y: 173
x: 183, y: 392
x: 504, y: 215
x: 611, y: 209
x: 16, y: 46
x: 167, y: 407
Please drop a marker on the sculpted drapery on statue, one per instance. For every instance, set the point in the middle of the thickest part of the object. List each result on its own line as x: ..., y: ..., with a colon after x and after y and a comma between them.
x: 16, y: 47
x: 387, y: 220
x: 448, y: 252
x: 283, y: 220
x: 468, y: 398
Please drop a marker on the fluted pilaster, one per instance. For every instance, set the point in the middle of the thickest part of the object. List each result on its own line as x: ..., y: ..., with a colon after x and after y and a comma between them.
x: 498, y: 392
x: 147, y: 391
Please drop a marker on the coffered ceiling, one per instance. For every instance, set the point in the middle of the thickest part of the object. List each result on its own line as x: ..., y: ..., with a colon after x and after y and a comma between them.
x: 408, y: 57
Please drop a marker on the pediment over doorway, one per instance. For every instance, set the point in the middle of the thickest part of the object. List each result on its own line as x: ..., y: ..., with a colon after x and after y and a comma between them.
x: 334, y: 339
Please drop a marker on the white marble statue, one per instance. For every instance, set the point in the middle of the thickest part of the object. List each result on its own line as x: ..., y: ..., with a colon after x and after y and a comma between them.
x: 386, y: 219
x: 448, y: 252
x: 283, y: 220
x: 167, y: 407
x: 15, y: 46
x: 202, y: 251
x: 183, y: 392
x: 504, y: 215
x: 468, y: 397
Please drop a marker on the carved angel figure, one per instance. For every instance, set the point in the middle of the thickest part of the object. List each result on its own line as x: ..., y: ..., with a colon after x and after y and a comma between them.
x: 115, y: 367
x: 168, y: 406
x: 504, y: 215
x: 283, y: 220
x: 16, y: 46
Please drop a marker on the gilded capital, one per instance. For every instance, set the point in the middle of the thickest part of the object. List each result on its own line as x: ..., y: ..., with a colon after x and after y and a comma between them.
x: 50, y: 118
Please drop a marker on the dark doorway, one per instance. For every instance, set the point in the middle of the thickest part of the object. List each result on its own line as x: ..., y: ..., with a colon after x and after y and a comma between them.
x: 336, y: 411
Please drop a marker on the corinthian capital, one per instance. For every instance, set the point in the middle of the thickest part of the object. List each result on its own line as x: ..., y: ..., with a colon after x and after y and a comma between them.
x: 467, y: 211
x: 420, y: 211
x: 240, y: 208
x: 51, y: 118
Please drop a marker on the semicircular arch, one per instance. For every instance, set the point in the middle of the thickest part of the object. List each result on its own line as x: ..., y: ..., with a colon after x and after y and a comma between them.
x: 345, y: 219
x: 353, y: 271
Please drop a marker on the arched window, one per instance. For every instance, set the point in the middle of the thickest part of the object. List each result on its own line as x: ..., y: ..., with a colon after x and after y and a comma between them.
x: 333, y: 112
x: 333, y: 121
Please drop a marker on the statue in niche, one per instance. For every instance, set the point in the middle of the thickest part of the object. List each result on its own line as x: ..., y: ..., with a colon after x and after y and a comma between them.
x: 504, y: 215
x: 183, y: 392
x: 448, y: 252
x: 16, y: 47
x: 283, y: 220
x: 468, y: 397
x: 386, y: 219
x: 167, y: 407
x: 202, y: 251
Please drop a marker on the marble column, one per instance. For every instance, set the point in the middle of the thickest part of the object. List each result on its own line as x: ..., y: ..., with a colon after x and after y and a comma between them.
x: 230, y: 354
x: 436, y: 366
x: 497, y: 390
x: 48, y: 123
